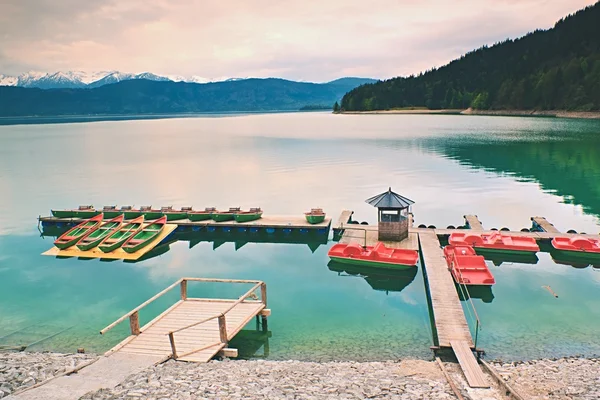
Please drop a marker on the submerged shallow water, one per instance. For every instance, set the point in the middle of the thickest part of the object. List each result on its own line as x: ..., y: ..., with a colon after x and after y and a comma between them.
x: 502, y: 169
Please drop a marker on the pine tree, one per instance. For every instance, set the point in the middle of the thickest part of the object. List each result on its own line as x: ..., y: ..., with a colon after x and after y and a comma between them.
x: 336, y: 107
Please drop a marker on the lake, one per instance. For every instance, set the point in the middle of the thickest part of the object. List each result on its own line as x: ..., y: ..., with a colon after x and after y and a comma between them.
x: 502, y: 169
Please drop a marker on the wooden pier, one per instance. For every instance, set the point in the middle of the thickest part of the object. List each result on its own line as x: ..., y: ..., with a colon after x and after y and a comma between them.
x: 193, y: 329
x: 266, y: 223
x: 473, y: 222
x: 366, y: 235
x: 450, y: 322
x: 543, y: 224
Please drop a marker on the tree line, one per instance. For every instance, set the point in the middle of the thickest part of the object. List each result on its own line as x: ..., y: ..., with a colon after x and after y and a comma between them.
x: 550, y: 69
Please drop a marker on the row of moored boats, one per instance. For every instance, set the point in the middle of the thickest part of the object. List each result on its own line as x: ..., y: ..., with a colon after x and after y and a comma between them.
x: 111, y: 235
x: 314, y: 216
x: 462, y: 256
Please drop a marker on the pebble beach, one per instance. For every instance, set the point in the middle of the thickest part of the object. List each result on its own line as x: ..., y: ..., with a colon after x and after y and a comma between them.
x: 565, y: 378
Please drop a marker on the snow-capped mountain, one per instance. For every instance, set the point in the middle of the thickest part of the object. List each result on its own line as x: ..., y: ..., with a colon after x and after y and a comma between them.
x: 6, y: 80
x: 81, y: 79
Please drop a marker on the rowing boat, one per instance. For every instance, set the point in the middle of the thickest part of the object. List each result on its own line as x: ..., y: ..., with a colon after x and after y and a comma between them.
x: 315, y: 216
x: 86, y: 212
x: 125, y: 232
x: 247, y: 216
x: 145, y: 236
x: 111, y: 212
x: 79, y: 232
x: 175, y: 214
x: 200, y: 215
x: 220, y: 216
x: 149, y: 213
x: 105, y: 230
x: 81, y: 212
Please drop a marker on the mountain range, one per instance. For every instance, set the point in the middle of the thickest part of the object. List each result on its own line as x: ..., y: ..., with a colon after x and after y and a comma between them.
x: 90, y: 80
x: 143, y: 96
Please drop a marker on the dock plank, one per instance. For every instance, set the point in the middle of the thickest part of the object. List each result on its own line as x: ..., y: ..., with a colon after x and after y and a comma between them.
x: 450, y: 321
x: 544, y: 224
x: 344, y: 218
x: 367, y: 235
x: 468, y: 363
x: 473, y: 223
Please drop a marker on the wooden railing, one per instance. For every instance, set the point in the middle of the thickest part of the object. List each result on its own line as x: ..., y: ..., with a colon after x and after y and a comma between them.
x: 133, y: 315
x: 223, y: 337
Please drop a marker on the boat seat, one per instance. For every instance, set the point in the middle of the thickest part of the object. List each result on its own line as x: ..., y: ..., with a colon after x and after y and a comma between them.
x: 135, y: 241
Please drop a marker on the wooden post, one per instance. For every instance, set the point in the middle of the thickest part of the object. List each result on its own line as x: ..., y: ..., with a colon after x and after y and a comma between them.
x: 263, y: 293
x: 184, y: 289
x: 222, y: 329
x: 134, y: 323
x: 172, y: 340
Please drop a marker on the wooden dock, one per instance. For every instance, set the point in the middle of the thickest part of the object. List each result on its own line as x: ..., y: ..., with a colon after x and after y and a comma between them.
x: 473, y: 222
x: 450, y: 322
x: 366, y: 235
x: 193, y: 329
x: 543, y: 224
x: 267, y: 221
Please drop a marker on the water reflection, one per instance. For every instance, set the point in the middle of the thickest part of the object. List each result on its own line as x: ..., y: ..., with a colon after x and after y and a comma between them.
x: 312, y: 240
x: 484, y: 293
x: 565, y: 164
x: 385, y: 280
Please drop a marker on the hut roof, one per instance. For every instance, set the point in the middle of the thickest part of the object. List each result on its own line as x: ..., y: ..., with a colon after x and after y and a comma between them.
x: 389, y: 199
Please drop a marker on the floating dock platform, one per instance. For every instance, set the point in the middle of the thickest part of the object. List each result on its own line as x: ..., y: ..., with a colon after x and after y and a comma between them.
x: 193, y: 329
x: 266, y: 224
x: 118, y: 254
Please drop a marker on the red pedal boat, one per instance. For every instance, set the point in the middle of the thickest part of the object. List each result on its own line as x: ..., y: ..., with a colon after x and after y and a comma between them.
x: 467, y: 267
x: 577, y: 247
x: 494, y: 242
x: 373, y: 256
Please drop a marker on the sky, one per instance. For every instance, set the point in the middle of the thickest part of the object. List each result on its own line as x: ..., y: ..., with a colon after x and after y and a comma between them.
x: 294, y: 39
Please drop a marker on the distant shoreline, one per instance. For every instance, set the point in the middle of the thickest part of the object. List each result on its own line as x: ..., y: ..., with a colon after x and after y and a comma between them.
x: 503, y: 113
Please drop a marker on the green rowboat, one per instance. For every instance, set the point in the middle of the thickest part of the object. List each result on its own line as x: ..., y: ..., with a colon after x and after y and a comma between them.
x: 85, y: 212
x: 200, y: 215
x: 145, y: 236
x: 173, y: 215
x: 104, y: 231
x: 130, y: 213
x: 220, y: 216
x: 247, y: 216
x: 315, y: 216
x: 118, y: 238
x: 149, y: 213
x: 63, y: 213
x: 111, y: 212
x: 79, y: 232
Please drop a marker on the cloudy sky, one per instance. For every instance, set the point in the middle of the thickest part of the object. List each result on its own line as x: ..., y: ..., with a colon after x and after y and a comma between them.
x: 295, y: 39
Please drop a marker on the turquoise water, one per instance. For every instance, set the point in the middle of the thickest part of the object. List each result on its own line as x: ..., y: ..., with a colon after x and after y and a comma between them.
x: 503, y: 169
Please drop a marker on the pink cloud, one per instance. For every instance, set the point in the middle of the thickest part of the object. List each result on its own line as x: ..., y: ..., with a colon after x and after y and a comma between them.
x: 295, y: 39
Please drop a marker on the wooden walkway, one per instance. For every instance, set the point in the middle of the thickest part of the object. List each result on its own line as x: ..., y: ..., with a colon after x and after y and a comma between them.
x: 366, y: 235
x: 450, y: 322
x: 267, y: 221
x: 543, y: 224
x: 192, y: 329
x: 473, y: 222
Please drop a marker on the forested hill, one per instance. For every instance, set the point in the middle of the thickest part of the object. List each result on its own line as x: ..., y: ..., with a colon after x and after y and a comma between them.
x: 141, y: 96
x: 555, y: 69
